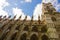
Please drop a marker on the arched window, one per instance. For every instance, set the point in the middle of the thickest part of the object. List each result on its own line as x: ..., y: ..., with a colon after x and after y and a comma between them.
x: 44, y: 37
x: 44, y: 29
x: 26, y: 28
x: 23, y: 37
x: 34, y: 37
x: 53, y: 18
x: 47, y: 7
x: 35, y: 29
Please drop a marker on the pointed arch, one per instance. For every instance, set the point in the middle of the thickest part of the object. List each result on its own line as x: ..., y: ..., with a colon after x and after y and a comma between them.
x: 44, y: 37
x: 34, y: 37
x: 13, y: 36
x: 23, y: 36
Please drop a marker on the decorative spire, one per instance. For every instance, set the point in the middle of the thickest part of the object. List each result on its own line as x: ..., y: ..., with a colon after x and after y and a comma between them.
x: 4, y: 16
x: 9, y: 16
x: 25, y: 18
x: 39, y: 19
x: 1, y: 16
x: 19, y: 18
x: 32, y: 18
x: 14, y: 17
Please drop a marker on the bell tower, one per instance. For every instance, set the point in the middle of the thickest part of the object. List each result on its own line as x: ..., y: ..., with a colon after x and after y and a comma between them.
x: 50, y: 15
x: 48, y: 7
x: 47, y: 10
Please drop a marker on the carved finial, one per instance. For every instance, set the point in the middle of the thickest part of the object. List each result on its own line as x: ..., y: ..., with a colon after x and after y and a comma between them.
x: 32, y: 18
x: 20, y: 16
x: 4, y: 16
x: 1, y: 16
x: 9, y: 16
x: 14, y: 17
x: 39, y: 19
x: 25, y: 18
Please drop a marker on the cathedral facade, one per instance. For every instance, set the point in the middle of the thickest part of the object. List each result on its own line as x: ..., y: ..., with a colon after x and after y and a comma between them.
x: 48, y: 28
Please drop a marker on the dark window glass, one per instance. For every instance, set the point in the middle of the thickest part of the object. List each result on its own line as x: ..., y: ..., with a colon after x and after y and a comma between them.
x: 53, y: 18
x: 23, y: 37
x: 35, y: 29
x: 44, y: 37
x: 44, y: 29
x: 33, y: 37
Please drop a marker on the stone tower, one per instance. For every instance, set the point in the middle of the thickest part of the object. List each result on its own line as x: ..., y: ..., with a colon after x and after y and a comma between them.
x: 46, y: 29
x: 52, y: 18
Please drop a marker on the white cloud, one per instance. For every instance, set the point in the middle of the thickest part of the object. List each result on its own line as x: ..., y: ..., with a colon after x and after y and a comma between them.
x: 37, y: 11
x: 38, y: 8
x: 3, y: 3
x: 28, y: 0
x: 57, y: 7
x: 46, y: 1
x: 28, y: 17
x: 18, y: 12
x: 3, y: 13
x: 54, y: 2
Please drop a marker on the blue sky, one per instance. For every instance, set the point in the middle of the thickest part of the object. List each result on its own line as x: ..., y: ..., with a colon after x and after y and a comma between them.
x: 25, y: 7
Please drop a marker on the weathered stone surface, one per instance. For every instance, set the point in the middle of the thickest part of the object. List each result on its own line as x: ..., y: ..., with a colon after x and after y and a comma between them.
x: 47, y: 28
